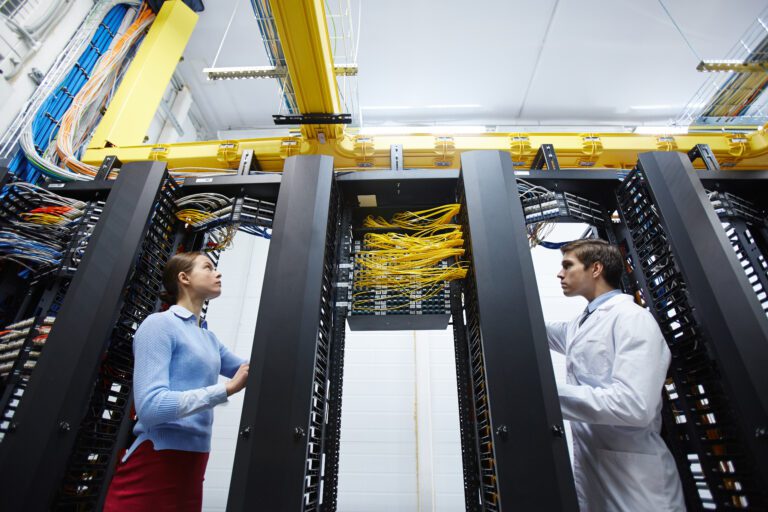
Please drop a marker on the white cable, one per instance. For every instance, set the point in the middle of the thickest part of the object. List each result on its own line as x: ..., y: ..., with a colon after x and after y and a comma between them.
x: 223, y: 37
x: 58, y: 70
x: 359, y: 25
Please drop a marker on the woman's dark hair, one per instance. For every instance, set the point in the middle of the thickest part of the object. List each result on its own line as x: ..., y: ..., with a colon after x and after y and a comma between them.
x: 181, y: 262
x: 590, y: 250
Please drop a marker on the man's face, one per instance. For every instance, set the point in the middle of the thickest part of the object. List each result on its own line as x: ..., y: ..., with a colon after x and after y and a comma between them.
x: 575, y: 278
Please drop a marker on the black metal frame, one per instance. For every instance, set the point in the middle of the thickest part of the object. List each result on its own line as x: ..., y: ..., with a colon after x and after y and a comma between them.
x: 321, y: 118
x: 283, y: 431
x: 106, y: 425
x: 500, y: 290
x: 34, y: 456
x: 546, y: 158
x: 716, y: 329
x: 704, y: 152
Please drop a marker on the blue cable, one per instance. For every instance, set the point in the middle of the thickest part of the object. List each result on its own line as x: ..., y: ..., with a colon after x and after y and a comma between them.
x: 45, y: 125
x: 256, y: 230
x: 552, y: 245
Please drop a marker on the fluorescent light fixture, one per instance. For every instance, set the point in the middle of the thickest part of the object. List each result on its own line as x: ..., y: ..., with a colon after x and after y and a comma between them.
x: 249, y: 72
x: 457, y: 105
x: 653, y: 107
x: 244, y: 72
x: 428, y: 130
x: 661, y: 130
x: 387, y: 107
x: 416, y: 107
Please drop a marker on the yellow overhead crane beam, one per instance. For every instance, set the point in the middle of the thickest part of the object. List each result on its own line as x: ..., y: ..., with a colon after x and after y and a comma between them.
x: 303, y: 31
x: 304, y: 37
x: 584, y: 151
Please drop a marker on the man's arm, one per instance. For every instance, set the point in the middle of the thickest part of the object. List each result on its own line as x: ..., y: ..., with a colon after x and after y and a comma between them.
x: 639, y: 371
x: 556, y: 336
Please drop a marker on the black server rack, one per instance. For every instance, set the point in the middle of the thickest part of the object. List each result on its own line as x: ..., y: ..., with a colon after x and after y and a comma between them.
x: 745, y: 226
x: 72, y: 423
x: 98, y: 439
x: 34, y: 456
x: 32, y: 294
x: 289, y: 425
x: 706, y: 297
x: 107, y: 283
x: 522, y: 459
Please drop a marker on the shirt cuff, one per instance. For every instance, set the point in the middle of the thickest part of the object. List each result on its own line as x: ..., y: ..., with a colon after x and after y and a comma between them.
x: 217, y: 393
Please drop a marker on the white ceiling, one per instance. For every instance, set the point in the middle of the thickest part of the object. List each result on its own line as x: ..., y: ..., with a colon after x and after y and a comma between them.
x: 504, y: 63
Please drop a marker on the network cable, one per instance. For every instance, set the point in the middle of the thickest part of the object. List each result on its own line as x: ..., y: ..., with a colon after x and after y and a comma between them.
x: 39, y: 119
x: 36, y: 225
x: 413, y: 266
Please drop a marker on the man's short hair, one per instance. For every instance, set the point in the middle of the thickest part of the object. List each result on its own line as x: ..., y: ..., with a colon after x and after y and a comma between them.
x: 590, y: 250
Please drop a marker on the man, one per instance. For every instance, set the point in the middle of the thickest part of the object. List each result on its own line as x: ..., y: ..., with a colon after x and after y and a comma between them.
x: 617, y: 362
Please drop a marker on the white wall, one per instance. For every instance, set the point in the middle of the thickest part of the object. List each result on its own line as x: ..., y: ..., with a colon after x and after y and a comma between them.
x: 400, y: 444
x: 556, y: 307
x: 15, y: 92
x: 233, y: 318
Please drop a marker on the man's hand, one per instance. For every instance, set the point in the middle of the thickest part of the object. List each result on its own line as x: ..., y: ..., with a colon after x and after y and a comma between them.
x: 238, y: 381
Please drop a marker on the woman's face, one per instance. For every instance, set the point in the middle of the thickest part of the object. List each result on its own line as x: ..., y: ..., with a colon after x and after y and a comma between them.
x: 203, y: 280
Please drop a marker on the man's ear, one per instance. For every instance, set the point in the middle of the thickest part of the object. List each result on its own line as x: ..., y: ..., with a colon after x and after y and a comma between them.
x: 597, y: 269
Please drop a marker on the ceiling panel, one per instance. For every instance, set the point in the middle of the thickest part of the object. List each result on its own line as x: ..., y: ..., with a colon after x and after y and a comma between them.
x: 624, y: 61
x: 229, y: 104
x: 492, y: 62
x: 449, y: 61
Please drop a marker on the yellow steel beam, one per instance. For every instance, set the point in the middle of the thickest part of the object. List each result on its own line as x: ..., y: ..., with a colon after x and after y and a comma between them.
x: 303, y: 31
x: 584, y: 151
x: 131, y: 110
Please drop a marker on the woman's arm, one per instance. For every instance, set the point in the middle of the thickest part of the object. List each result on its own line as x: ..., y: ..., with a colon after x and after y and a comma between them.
x: 229, y: 361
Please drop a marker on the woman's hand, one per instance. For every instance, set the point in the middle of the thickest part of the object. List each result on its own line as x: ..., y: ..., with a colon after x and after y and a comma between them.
x: 238, y: 381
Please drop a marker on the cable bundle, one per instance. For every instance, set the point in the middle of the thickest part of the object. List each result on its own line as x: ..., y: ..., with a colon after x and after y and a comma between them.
x: 221, y: 238
x: 82, y: 117
x: 538, y: 202
x: 61, y: 160
x: 416, y: 221
x: 12, y: 341
x: 199, y: 210
x: 37, y: 225
x: 39, y: 118
x: 408, y: 266
x: 210, y: 211
x: 215, y: 213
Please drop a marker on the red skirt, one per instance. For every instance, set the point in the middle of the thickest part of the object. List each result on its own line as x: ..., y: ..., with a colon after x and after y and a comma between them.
x: 162, y: 480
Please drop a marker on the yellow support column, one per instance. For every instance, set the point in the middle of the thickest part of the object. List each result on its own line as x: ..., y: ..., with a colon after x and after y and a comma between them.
x: 303, y: 31
x: 131, y: 110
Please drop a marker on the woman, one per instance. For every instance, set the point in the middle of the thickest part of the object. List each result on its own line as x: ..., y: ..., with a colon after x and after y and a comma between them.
x: 177, y: 364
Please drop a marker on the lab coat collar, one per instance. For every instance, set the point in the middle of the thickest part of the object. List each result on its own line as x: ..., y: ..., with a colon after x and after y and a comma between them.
x: 602, y: 299
x: 613, y: 301
x: 595, y: 315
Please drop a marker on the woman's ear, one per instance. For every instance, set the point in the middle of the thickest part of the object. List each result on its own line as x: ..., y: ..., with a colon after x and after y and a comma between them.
x: 183, y: 278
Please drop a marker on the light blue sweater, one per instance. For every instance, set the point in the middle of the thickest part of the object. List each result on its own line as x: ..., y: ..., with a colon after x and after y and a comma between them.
x: 176, y: 369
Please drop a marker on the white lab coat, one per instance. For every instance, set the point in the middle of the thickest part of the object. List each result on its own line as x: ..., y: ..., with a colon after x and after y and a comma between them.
x: 617, y: 362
